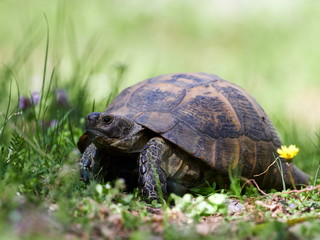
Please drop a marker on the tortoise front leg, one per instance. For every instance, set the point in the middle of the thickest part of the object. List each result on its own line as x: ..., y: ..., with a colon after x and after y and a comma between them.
x: 152, y: 178
x: 87, y: 163
x: 90, y: 164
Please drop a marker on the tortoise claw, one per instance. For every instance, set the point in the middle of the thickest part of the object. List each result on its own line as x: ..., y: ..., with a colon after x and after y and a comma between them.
x: 85, y: 175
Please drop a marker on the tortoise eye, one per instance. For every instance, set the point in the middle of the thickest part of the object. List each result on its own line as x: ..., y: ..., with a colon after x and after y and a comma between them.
x: 107, y: 120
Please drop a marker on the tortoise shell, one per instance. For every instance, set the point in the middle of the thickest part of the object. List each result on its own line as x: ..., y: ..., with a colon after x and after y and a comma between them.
x: 211, y: 119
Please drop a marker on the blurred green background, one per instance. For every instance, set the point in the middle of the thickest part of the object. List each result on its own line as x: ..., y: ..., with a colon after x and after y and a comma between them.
x: 270, y: 48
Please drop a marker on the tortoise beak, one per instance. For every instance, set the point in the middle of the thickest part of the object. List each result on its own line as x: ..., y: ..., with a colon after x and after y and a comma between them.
x: 92, y: 119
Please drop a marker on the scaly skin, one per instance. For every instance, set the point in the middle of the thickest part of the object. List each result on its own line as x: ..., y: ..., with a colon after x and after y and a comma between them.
x: 91, y: 167
x: 152, y: 178
x: 87, y: 163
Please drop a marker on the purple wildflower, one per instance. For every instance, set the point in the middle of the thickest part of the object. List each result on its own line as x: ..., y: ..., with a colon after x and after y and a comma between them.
x: 53, y: 123
x: 62, y: 97
x: 35, y: 96
x: 24, y: 102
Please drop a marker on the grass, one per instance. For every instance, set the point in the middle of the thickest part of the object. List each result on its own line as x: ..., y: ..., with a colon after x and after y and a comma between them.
x: 84, y: 54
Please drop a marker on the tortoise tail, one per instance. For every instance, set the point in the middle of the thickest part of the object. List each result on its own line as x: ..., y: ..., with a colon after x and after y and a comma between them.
x: 293, y: 176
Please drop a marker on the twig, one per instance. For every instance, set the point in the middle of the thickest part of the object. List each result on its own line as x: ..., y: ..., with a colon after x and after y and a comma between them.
x: 256, y: 185
x: 257, y: 175
x: 299, y: 191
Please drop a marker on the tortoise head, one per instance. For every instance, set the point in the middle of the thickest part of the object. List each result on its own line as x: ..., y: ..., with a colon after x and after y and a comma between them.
x: 114, y: 132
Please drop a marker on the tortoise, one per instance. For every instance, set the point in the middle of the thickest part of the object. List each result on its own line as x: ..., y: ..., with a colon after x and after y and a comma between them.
x: 178, y: 131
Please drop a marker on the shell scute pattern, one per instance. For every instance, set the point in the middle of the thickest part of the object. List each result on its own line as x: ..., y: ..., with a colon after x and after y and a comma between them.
x: 184, y: 136
x: 119, y: 105
x: 206, y: 149
x: 209, y: 115
x: 248, y: 152
x: 251, y: 118
x: 227, y: 153
x: 156, y: 98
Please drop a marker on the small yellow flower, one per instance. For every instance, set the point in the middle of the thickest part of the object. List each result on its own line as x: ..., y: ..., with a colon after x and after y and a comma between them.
x: 288, y: 152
